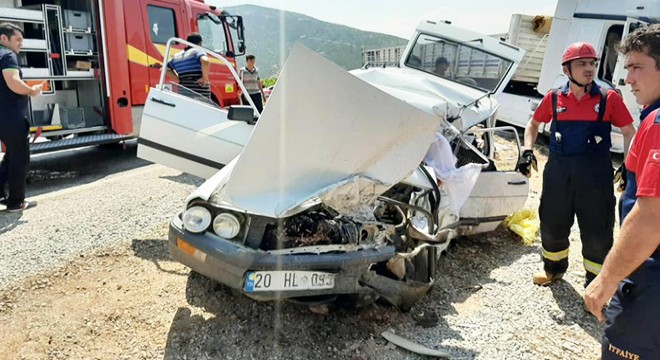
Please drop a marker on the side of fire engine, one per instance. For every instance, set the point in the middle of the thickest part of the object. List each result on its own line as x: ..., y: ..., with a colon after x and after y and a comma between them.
x: 98, y: 59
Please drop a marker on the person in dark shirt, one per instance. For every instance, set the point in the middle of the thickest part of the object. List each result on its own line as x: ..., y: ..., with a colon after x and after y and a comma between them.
x: 191, y: 68
x: 14, y: 126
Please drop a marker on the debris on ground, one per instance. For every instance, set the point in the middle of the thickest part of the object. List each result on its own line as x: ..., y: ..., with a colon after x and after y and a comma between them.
x: 321, y: 309
x: 411, y: 346
x: 48, y: 175
x: 524, y: 223
x: 425, y: 318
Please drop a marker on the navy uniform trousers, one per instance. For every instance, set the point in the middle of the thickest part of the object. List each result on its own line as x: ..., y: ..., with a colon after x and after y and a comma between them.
x: 14, y: 130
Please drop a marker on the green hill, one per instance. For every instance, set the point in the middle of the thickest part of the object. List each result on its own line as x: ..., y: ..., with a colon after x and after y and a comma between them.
x: 271, y: 33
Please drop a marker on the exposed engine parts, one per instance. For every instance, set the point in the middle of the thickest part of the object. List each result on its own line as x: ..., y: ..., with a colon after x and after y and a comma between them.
x: 311, y: 229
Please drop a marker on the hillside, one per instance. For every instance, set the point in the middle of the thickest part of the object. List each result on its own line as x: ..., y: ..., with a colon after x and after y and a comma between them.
x: 265, y: 27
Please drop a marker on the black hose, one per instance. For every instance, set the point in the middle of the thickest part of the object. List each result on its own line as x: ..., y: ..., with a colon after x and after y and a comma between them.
x: 436, y: 190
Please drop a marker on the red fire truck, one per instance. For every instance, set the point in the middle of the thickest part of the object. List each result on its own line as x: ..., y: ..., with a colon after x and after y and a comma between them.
x: 98, y: 59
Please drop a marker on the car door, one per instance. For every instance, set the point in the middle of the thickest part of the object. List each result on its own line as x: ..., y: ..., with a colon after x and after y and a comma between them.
x: 620, y: 72
x: 189, y: 135
x: 497, y: 193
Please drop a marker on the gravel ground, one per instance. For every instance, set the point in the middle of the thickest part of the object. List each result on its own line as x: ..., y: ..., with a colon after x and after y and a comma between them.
x: 87, y: 275
x: 100, y: 203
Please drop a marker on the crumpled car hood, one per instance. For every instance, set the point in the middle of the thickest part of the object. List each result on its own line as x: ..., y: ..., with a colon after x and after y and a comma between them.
x: 322, y: 130
x: 432, y: 94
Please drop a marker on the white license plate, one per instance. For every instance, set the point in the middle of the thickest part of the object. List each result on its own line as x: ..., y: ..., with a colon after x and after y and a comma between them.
x: 288, y: 280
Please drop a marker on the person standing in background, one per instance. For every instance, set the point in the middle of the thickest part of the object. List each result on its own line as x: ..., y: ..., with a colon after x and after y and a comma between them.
x: 14, y: 125
x: 249, y: 75
x: 191, y: 68
x: 441, y: 66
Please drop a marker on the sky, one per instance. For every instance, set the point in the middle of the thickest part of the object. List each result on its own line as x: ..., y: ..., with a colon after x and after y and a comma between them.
x: 400, y: 17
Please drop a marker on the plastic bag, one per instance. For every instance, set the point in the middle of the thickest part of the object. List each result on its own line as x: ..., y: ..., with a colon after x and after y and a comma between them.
x: 525, y: 223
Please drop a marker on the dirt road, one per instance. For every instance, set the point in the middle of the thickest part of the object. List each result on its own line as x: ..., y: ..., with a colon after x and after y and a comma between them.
x: 119, y: 296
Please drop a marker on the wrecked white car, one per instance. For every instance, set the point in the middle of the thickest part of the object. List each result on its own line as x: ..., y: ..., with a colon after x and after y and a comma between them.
x: 348, y: 184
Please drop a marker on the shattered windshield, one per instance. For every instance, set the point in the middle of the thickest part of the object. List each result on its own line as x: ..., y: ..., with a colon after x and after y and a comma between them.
x: 458, y: 62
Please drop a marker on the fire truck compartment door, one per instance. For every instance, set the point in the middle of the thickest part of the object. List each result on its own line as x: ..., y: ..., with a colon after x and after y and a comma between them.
x: 188, y: 135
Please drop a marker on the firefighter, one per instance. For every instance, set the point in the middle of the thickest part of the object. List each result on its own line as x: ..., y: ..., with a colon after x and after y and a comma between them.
x: 577, y: 179
x: 632, y: 330
x: 14, y: 126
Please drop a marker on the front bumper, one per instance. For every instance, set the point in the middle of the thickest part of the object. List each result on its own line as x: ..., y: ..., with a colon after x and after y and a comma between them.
x: 228, y: 261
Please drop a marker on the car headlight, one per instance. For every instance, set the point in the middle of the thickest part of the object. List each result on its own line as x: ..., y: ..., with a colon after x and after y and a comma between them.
x: 226, y: 226
x: 196, y: 219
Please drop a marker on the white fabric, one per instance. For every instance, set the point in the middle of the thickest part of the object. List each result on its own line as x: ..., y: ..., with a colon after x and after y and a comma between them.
x: 459, y: 182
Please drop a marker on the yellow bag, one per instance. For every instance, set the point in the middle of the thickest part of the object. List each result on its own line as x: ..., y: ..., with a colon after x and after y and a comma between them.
x: 525, y: 223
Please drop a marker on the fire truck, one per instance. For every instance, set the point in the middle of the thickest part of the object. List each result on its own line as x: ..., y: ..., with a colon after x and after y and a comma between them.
x: 98, y: 59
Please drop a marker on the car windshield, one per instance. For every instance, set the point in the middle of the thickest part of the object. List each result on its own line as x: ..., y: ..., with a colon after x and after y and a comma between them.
x: 213, y: 34
x: 458, y: 62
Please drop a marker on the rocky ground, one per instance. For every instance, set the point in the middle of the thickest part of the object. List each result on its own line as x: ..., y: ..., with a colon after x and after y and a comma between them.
x: 86, y: 275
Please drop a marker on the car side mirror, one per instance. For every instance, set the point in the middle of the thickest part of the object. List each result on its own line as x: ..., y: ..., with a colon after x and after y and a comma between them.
x: 242, y: 113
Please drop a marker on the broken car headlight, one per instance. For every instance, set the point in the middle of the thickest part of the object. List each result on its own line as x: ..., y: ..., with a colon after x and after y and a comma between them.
x: 196, y: 219
x: 226, y: 226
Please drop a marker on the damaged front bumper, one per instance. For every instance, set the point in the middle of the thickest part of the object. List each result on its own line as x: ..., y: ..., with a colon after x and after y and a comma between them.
x: 230, y: 263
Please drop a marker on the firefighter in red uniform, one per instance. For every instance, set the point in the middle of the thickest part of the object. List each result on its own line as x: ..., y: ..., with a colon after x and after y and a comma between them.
x: 577, y: 180
x: 632, y: 330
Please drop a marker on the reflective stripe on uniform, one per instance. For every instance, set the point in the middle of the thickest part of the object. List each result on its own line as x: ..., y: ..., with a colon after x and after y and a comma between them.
x: 592, y: 267
x: 554, y: 256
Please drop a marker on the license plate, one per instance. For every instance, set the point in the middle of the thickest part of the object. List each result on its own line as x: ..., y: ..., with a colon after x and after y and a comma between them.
x: 288, y: 280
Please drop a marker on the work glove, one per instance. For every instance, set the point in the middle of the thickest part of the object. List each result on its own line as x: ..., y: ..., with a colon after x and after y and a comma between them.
x: 621, y: 177
x: 526, y: 160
